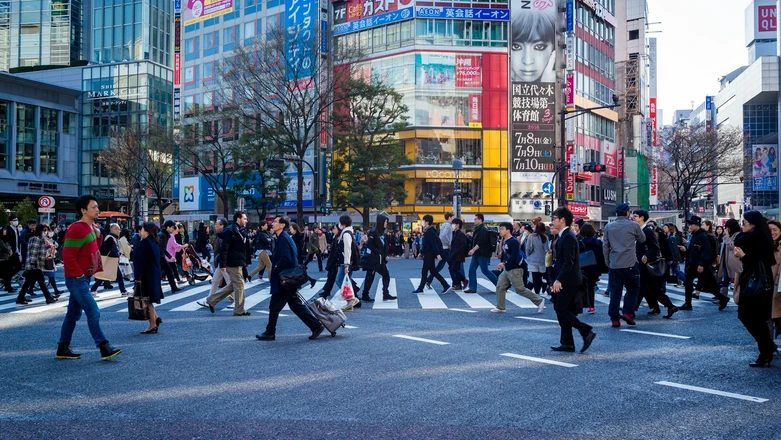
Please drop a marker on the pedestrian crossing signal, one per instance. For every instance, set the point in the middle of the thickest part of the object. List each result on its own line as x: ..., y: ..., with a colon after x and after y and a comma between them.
x: 594, y: 167
x: 547, y: 209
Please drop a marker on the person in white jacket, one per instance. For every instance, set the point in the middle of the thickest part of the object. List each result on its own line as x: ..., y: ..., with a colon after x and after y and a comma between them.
x: 344, y: 246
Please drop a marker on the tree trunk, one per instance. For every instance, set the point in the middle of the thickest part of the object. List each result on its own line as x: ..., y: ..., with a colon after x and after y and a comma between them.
x: 300, y: 194
x: 225, y: 208
x: 366, y: 221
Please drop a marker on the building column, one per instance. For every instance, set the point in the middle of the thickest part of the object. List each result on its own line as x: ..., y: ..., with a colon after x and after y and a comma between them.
x: 37, y: 148
x: 12, y: 139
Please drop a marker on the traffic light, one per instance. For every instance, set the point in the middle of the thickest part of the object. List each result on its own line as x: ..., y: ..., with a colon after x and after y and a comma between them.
x: 547, y: 209
x: 594, y: 167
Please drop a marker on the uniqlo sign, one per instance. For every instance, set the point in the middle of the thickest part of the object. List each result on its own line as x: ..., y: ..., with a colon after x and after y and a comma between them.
x: 766, y: 18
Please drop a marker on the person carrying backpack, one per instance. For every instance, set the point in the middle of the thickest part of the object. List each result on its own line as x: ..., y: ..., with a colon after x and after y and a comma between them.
x: 348, y: 256
x: 480, y: 253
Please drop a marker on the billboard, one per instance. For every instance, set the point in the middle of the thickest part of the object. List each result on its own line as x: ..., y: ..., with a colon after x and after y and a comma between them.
x: 532, y: 90
x: 300, y: 25
x: 764, y: 164
x: 358, y: 15
x: 199, y: 10
x: 761, y: 21
x: 195, y: 194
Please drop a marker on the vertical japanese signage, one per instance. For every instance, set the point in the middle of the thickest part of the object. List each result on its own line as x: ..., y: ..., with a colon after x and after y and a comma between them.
x: 570, y: 91
x: 653, y: 196
x: 177, y: 58
x: 570, y: 186
x: 532, y: 90
x: 300, y: 44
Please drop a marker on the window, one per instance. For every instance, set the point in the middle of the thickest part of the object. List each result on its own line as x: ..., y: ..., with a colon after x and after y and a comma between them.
x: 230, y: 37
x: 98, y: 170
x: 69, y: 122
x: 634, y: 35
x: 249, y: 32
x: 440, y: 191
x: 25, y: 137
x: 208, y: 71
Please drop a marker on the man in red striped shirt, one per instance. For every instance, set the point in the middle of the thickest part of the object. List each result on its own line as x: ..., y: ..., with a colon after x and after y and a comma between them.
x: 81, y: 258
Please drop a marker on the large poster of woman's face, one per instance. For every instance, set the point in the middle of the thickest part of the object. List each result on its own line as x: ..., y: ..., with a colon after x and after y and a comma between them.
x: 533, y: 36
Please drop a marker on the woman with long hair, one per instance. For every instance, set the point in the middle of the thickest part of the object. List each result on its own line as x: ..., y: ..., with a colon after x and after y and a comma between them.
x: 298, y: 240
x: 148, y: 273
x: 34, y: 265
x: 730, y: 264
x: 537, y: 245
x: 592, y: 273
x: 533, y: 54
x: 755, y: 250
x: 168, y: 249
x: 775, y: 232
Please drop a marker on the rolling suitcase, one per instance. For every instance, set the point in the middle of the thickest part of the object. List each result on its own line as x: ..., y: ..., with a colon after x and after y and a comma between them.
x: 327, y: 313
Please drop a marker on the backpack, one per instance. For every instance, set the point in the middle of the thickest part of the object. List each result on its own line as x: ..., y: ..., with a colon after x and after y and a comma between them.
x: 493, y: 239
x: 355, y: 254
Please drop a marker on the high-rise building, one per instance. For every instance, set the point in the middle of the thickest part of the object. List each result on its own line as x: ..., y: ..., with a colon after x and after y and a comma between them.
x: 42, y: 33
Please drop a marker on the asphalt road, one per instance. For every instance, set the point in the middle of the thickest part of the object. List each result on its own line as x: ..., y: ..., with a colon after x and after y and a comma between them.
x: 465, y: 374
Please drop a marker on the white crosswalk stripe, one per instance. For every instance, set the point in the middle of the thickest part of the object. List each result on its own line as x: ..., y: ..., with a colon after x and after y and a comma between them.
x: 429, y: 299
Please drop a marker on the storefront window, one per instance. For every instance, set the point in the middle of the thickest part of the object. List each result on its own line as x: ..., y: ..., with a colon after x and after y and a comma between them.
x: 445, y: 146
x: 440, y: 191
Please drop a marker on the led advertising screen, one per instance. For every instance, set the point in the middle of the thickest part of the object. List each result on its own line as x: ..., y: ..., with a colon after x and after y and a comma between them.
x: 200, y: 10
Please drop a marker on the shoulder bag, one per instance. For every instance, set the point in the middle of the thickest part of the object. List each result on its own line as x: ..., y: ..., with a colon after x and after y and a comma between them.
x: 758, y: 284
x: 296, y: 276
x: 657, y: 268
x: 136, y: 304
x: 587, y: 259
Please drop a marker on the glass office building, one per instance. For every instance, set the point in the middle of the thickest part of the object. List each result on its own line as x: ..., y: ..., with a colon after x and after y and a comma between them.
x: 41, y: 33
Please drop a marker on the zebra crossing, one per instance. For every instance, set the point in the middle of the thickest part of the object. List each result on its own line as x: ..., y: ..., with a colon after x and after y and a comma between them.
x: 257, y: 297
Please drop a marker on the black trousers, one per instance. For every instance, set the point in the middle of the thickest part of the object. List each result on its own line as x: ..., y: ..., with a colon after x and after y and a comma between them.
x: 430, y: 265
x: 8, y: 269
x: 311, y: 257
x: 286, y: 297
x: 331, y: 279
x: 456, y: 276
x: 706, y: 282
x: 30, y: 278
x: 567, y: 319
x: 367, y: 285
x: 539, y: 284
x: 653, y: 290
x: 169, y: 274
x: 588, y: 300
x: 754, y: 314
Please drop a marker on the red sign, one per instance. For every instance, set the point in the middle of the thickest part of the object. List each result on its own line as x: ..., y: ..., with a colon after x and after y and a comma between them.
x: 611, y: 159
x: 578, y: 209
x: 46, y: 202
x: 653, y: 118
x: 475, y: 108
x: 766, y: 18
x: 177, y: 69
x: 620, y: 165
x: 570, y: 91
x: 469, y: 72
x: 653, y: 183
x: 360, y: 9
x: 570, y: 189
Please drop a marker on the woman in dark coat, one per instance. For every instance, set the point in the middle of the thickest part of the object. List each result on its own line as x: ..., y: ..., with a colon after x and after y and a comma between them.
x: 147, y: 270
x: 592, y: 273
x: 755, y: 250
x: 298, y: 240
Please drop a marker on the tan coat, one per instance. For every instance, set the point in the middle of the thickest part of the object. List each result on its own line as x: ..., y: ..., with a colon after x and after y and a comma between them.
x: 729, y: 261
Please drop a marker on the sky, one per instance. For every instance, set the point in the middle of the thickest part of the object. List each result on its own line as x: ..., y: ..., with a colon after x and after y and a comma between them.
x: 700, y: 41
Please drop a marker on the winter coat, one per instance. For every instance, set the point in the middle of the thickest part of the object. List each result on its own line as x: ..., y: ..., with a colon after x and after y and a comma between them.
x: 535, y: 253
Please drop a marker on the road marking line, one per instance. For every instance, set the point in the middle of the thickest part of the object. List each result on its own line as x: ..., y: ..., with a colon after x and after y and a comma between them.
x: 350, y: 326
x: 540, y: 360
x: 381, y: 304
x: 465, y: 311
x: 430, y: 341
x: 656, y: 334
x: 710, y: 391
x: 510, y: 295
x: 266, y: 312
x: 537, y: 319
x: 430, y: 299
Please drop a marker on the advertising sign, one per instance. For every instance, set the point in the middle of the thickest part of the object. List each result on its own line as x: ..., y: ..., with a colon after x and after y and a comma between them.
x: 532, y: 90
x: 195, y: 194
x: 324, y: 33
x: 578, y: 209
x: 177, y: 101
x: 653, y: 199
x: 292, y: 188
x: 653, y: 121
x: 200, y: 10
x: 371, y: 22
x: 764, y: 164
x: 766, y: 18
x: 570, y: 91
x: 178, y: 33
x: 465, y: 13
x: 570, y: 16
x: 570, y: 53
x: 708, y: 103
x: 361, y: 9
x: 300, y: 25
x: 475, y: 111
x: 570, y: 185
x: 469, y: 71
x: 610, y: 158
x: 177, y: 5
x: 177, y: 69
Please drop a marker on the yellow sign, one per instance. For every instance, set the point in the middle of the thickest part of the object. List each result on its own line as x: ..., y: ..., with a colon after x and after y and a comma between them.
x: 475, y: 125
x: 570, y: 196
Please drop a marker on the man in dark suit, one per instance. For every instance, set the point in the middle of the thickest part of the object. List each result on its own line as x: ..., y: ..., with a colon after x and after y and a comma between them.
x: 285, y: 256
x: 566, y: 272
x: 432, y: 251
x: 14, y: 263
x: 650, y: 285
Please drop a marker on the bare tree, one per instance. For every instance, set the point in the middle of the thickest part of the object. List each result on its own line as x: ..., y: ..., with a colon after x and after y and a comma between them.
x: 283, y: 82
x: 157, y: 164
x: 367, y: 151
x: 695, y: 156
x: 120, y: 159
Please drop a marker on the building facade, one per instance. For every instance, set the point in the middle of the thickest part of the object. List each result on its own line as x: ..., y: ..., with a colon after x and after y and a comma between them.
x: 43, y: 33
x: 39, y: 143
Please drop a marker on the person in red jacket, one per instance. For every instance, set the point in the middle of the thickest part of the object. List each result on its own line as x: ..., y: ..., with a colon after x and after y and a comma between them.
x: 81, y: 259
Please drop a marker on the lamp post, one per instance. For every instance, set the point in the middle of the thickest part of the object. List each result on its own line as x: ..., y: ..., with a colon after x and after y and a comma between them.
x: 457, y: 167
x: 315, y: 193
x: 141, y: 193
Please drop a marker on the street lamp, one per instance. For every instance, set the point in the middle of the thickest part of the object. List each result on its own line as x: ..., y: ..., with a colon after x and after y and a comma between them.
x: 457, y: 167
x: 315, y: 178
x: 141, y: 193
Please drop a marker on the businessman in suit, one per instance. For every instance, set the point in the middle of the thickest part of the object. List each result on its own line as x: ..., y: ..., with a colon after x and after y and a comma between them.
x: 566, y: 287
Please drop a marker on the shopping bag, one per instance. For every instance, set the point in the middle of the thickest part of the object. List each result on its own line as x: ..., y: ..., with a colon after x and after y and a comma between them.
x: 347, y: 289
x: 109, y: 272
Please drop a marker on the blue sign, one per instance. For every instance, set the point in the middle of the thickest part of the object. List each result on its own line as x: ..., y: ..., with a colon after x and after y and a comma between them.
x: 547, y: 188
x: 466, y: 13
x: 177, y: 5
x: 708, y: 103
x: 766, y: 183
x: 324, y: 34
x: 570, y: 16
x: 537, y: 204
x: 372, y: 22
x: 300, y: 46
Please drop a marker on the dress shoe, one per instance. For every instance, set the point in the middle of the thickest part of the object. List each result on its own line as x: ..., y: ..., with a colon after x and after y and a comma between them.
x: 176, y: 290
x: 587, y: 340
x: 761, y: 362
x: 655, y: 311
x: 723, y: 303
x: 670, y: 312
x: 266, y: 337
x: 51, y: 300
x: 207, y: 305
x: 316, y: 333
x: 366, y: 299
x: 242, y: 314
x: 565, y: 348
x: 685, y: 307
x: 150, y: 331
x: 615, y: 323
x: 470, y: 291
x: 23, y: 302
x: 630, y: 320
x: 158, y: 321
x: 33, y: 294
x: 388, y: 298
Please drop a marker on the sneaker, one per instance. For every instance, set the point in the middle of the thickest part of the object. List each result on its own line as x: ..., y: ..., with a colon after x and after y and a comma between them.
x: 615, y: 323
x: 64, y: 351
x: 417, y: 291
x: 591, y: 310
x: 541, y: 306
x: 207, y: 305
x: 630, y: 320
x: 125, y: 293
x: 498, y: 310
x: 107, y: 351
x: 470, y: 291
x: 447, y: 290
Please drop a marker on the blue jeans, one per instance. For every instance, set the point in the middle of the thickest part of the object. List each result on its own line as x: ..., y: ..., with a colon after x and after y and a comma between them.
x: 81, y: 299
x: 440, y: 265
x: 617, y: 280
x: 483, y: 263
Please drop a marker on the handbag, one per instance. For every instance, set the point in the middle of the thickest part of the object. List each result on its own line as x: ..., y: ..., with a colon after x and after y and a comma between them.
x: 136, y: 304
x: 110, y: 267
x: 549, y: 259
x: 48, y: 264
x: 758, y: 284
x: 588, y: 259
x: 657, y: 268
x: 296, y: 276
